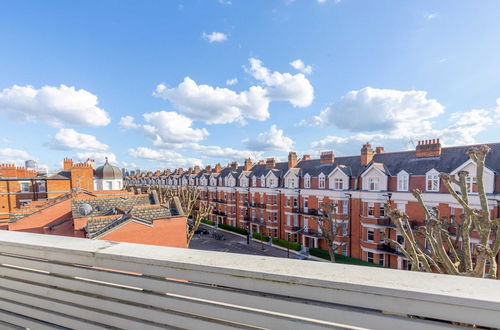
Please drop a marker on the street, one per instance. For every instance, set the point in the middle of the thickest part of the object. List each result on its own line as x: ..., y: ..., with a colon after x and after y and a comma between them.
x: 233, y: 243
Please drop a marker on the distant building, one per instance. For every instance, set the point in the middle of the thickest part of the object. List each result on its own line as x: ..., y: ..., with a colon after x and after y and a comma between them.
x: 107, y: 215
x: 31, y: 164
x: 20, y: 185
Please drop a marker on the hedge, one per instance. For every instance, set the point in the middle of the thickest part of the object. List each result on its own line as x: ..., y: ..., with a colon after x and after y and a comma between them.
x: 261, y: 237
x: 233, y: 229
x: 208, y: 222
x: 341, y: 259
x: 286, y: 244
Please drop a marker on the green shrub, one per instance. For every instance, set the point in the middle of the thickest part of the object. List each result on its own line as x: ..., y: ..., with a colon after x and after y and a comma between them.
x: 233, y: 229
x: 208, y: 222
x: 285, y: 244
x: 261, y: 237
x: 341, y: 259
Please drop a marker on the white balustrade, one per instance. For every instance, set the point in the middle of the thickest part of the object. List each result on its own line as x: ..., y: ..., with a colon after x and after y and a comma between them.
x: 48, y: 281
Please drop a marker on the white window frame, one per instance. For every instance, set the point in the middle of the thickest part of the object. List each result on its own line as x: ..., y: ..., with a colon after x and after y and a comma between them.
x: 432, y: 178
x: 338, y: 184
x: 307, y: 181
x: 403, y: 181
x: 373, y: 183
x: 321, y: 181
x: 22, y: 183
x: 41, y: 184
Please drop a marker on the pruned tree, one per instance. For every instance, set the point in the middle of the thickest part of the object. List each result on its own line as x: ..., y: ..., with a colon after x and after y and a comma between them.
x: 330, y: 225
x: 448, y: 249
x: 192, y: 205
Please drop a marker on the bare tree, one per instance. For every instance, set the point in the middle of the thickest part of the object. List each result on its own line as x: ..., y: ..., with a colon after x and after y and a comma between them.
x: 330, y: 226
x: 192, y: 205
x: 448, y: 249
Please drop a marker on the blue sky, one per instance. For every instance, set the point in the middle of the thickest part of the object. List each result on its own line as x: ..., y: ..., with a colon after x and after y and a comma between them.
x: 158, y: 84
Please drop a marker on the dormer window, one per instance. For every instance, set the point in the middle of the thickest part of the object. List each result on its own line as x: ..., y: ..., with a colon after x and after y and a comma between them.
x: 403, y: 179
x: 254, y: 181
x: 338, y: 183
x: 262, y: 181
x: 291, y: 182
x: 307, y: 181
x: 373, y: 184
x: 432, y: 180
x: 471, y: 184
x: 321, y: 181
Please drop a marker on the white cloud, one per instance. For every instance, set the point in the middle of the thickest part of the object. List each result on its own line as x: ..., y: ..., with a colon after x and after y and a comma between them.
x: 300, y: 66
x: 166, y: 127
x: 216, y: 105
x: 430, y: 16
x: 220, y: 152
x: 272, y: 140
x: 164, y: 157
x: 68, y: 138
x: 324, y: 1
x: 56, y: 106
x: 225, y: 2
x: 13, y: 156
x: 214, y: 37
x: 463, y: 129
x: 295, y: 89
x: 444, y: 59
x: 98, y: 156
x: 386, y: 110
x: 232, y: 82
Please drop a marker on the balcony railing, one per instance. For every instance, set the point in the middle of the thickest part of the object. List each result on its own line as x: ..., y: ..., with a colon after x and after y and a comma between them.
x: 48, y: 281
x: 313, y: 212
x: 223, y: 201
x: 217, y: 212
x: 258, y: 205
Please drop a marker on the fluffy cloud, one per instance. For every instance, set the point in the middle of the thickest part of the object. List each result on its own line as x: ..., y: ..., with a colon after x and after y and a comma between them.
x: 164, y: 157
x: 300, y: 66
x: 56, y: 106
x: 225, y: 2
x: 430, y: 16
x: 272, y: 140
x: 232, y: 82
x: 68, y: 138
x: 463, y: 129
x: 214, y: 37
x: 166, y: 127
x: 295, y: 89
x: 220, y: 152
x: 13, y: 156
x: 372, y: 109
x: 216, y: 105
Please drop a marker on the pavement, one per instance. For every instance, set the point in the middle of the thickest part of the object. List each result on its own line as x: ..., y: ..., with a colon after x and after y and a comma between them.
x: 233, y: 243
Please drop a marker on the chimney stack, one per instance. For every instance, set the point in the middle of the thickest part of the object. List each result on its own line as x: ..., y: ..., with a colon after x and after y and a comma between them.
x: 292, y: 159
x: 67, y: 163
x: 248, y: 164
x: 218, y: 168
x: 326, y: 157
x: 261, y: 162
x: 270, y: 163
x: 379, y: 150
x: 196, y: 169
x: 428, y: 148
x: 234, y: 166
x: 208, y: 168
x: 306, y: 157
x: 180, y: 170
x: 366, y: 154
x: 167, y: 172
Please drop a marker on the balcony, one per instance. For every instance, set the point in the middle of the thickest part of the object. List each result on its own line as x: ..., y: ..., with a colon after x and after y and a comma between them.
x: 313, y: 212
x: 91, y: 284
x: 384, y: 247
x: 222, y: 201
x: 257, y: 205
x: 217, y: 212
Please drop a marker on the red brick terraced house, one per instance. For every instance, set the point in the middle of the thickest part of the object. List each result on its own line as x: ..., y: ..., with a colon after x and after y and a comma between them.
x: 282, y: 199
